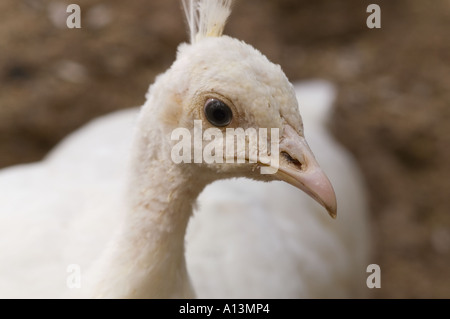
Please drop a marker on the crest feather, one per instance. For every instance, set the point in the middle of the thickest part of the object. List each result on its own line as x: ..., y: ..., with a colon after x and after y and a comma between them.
x: 206, y: 18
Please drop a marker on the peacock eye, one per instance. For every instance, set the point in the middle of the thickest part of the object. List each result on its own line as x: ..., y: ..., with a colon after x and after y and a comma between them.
x: 217, y: 112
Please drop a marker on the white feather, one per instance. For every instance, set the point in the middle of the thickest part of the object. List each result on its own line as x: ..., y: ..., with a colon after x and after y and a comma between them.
x: 206, y: 17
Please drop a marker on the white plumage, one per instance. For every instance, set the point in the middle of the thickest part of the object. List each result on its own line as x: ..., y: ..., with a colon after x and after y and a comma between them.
x: 248, y: 239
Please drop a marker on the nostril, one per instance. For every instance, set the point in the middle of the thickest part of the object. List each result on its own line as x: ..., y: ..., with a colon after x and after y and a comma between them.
x: 291, y: 160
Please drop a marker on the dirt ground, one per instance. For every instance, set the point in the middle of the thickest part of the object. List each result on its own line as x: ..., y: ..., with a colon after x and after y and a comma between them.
x: 392, y: 112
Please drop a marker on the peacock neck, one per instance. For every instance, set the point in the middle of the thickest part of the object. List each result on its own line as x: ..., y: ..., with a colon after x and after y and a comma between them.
x: 147, y: 257
x: 160, y: 201
x: 154, y: 232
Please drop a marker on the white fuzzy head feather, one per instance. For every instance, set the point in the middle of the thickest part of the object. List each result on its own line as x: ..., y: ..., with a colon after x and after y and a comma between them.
x: 206, y: 18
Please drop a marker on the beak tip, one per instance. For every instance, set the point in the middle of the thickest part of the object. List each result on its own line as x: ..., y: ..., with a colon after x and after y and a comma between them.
x: 330, y: 204
x: 332, y: 212
x: 332, y: 209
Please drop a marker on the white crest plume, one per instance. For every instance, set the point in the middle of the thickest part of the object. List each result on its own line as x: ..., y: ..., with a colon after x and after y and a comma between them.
x: 206, y: 18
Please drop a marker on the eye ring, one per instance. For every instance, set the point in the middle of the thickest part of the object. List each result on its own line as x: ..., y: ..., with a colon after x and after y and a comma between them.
x: 217, y: 112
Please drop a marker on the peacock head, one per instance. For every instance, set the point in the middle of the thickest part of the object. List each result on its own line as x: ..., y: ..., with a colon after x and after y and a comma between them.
x: 232, y: 112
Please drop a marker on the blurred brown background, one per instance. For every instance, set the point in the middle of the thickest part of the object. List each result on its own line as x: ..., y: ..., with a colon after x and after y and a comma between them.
x: 392, y: 112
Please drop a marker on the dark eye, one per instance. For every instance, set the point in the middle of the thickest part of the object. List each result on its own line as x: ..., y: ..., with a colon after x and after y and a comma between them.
x: 218, y: 113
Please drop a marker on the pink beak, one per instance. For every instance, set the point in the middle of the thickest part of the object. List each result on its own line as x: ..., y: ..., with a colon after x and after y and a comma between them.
x: 299, y: 168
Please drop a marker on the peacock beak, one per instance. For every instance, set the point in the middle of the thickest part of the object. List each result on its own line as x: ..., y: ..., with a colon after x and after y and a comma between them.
x: 298, y: 167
